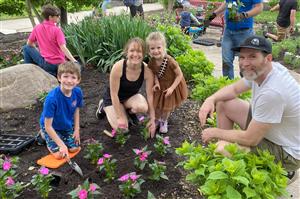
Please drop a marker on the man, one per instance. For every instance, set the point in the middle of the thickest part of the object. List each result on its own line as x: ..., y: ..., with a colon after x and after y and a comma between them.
x: 237, y: 29
x: 271, y: 122
x: 137, y: 8
x: 285, y: 20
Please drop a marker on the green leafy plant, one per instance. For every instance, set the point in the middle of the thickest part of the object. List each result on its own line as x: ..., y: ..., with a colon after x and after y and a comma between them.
x: 10, y: 58
x: 94, y: 151
x: 141, y: 160
x: 208, y: 85
x: 144, y: 129
x: 85, y: 191
x: 233, y: 9
x: 243, y: 175
x: 131, y: 184
x: 41, y: 182
x: 42, y: 96
x: 121, y: 135
x: 108, y: 165
x: 162, y: 144
x: 193, y: 62
x: 158, y: 171
x: 9, y: 188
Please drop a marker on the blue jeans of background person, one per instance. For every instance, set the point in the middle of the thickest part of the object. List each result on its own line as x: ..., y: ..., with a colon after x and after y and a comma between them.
x: 33, y: 56
x: 232, y: 39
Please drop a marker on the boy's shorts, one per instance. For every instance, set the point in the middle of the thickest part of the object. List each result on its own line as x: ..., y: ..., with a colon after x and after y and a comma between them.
x: 65, y: 136
x: 282, y: 33
x: 288, y: 162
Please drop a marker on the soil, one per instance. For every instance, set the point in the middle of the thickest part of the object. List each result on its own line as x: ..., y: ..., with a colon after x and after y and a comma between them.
x: 183, y: 125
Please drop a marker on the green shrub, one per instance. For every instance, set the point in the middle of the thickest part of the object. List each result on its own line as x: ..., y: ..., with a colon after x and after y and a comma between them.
x: 208, y: 85
x: 193, y: 62
x: 177, y: 42
x: 243, y: 175
x: 100, y: 41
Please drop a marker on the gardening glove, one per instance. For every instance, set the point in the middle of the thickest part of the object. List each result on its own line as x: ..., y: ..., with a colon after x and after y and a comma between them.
x: 212, y: 16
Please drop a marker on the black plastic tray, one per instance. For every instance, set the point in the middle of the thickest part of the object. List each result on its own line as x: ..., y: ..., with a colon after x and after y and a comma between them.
x: 14, y: 144
x: 205, y: 42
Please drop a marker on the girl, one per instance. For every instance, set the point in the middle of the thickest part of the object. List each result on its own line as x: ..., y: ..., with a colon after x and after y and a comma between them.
x: 126, y: 79
x: 170, y: 89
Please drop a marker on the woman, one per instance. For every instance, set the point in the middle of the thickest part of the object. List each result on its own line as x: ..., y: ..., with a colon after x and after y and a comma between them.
x: 126, y: 79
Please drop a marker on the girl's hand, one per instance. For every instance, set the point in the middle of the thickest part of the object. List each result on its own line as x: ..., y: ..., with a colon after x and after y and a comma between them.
x: 76, y: 136
x: 168, y: 92
x: 151, y: 127
x: 156, y: 87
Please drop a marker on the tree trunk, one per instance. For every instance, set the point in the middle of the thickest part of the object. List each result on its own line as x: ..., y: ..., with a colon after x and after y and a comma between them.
x: 63, y: 16
x: 37, y: 14
x: 170, y: 5
x: 29, y: 12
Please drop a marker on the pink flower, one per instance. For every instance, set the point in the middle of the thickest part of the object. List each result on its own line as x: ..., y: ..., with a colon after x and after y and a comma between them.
x: 44, y: 171
x: 113, y: 132
x: 124, y: 178
x: 141, y: 119
x: 93, y: 187
x: 9, y: 181
x: 143, y: 156
x: 137, y: 151
x: 166, y: 141
x: 82, y: 194
x: 100, y: 161
x: 107, y: 156
x: 6, y: 165
x: 134, y: 177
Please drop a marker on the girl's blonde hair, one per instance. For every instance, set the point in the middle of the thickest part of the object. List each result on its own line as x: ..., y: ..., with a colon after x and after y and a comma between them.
x: 138, y: 41
x: 157, y: 36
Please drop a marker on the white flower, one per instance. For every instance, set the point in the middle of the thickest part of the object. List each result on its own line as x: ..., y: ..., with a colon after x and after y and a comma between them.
x: 234, y: 3
x: 229, y: 5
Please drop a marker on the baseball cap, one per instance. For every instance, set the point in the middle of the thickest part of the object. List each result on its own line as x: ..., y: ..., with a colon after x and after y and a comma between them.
x: 256, y: 42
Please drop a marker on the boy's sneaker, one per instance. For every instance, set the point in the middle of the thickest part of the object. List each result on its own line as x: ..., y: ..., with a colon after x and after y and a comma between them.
x: 100, y: 110
x: 292, y: 176
x: 39, y: 139
x: 163, y: 126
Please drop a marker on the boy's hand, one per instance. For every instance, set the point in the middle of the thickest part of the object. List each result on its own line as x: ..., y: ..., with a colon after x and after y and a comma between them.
x: 168, y: 92
x: 63, y: 151
x: 76, y: 136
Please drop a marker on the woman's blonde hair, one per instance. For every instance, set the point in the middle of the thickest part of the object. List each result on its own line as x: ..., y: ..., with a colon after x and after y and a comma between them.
x: 69, y: 67
x: 138, y: 41
x: 157, y: 36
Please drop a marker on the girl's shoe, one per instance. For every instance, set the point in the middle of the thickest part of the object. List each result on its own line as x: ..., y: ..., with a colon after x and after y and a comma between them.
x: 163, y: 126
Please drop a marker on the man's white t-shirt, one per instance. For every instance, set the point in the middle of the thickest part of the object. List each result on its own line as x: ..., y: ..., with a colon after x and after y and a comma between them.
x: 277, y: 101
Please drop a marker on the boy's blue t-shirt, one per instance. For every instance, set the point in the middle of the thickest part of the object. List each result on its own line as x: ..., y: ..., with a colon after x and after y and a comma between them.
x: 244, y: 23
x: 61, y: 108
x: 185, y: 19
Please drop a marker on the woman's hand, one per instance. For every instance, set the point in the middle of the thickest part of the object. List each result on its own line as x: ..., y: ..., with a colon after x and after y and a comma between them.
x: 122, y: 123
x: 156, y: 87
x: 168, y: 92
x: 76, y: 136
x: 151, y: 127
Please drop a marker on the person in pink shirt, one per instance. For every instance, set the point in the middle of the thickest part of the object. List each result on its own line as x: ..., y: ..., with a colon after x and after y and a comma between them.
x: 51, y: 41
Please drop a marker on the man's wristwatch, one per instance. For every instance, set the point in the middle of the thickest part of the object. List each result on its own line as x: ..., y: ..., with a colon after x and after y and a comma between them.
x: 245, y: 15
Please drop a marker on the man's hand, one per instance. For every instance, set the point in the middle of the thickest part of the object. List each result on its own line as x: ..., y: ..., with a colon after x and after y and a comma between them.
x: 240, y: 16
x: 292, y: 30
x: 212, y: 16
x: 208, y: 107
x: 208, y: 134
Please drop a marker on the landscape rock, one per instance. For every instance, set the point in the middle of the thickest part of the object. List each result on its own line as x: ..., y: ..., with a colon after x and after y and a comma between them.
x: 21, y: 85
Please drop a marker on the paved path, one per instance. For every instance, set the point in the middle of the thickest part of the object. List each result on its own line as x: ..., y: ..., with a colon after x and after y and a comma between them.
x: 213, y: 53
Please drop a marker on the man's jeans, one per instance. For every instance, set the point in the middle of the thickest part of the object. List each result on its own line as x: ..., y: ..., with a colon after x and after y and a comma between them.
x: 232, y: 39
x: 32, y: 56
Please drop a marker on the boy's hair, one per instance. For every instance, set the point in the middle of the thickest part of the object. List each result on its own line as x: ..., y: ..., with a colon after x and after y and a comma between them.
x: 69, y: 67
x: 50, y: 10
x: 157, y: 36
x: 138, y: 41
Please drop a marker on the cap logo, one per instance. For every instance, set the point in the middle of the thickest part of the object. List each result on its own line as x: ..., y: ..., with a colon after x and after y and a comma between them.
x: 255, y: 42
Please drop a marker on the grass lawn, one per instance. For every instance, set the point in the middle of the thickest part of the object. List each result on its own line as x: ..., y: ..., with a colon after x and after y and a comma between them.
x: 268, y: 16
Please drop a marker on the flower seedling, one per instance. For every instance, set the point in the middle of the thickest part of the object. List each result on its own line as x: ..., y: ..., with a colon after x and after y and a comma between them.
x: 9, y: 188
x: 233, y: 8
x: 94, y: 151
x: 162, y: 144
x: 141, y: 159
x: 131, y: 184
x: 85, y: 191
x: 144, y: 128
x: 108, y: 165
x: 158, y: 171
x: 41, y: 182
x: 120, y: 135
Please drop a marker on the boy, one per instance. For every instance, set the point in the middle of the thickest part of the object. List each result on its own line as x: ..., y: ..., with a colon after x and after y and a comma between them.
x: 60, y: 117
x: 186, y: 17
x: 51, y: 42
